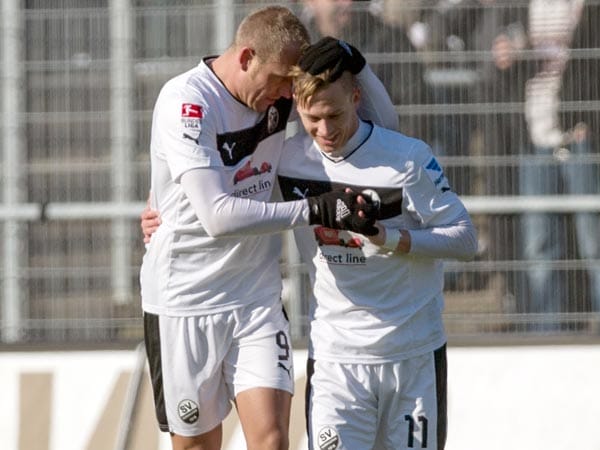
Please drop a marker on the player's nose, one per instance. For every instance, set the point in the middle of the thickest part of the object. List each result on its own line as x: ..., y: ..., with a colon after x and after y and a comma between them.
x: 285, y: 90
x: 325, y: 129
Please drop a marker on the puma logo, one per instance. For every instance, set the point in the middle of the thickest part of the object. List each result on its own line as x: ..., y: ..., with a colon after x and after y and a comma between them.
x: 279, y: 364
x: 196, y: 140
x: 299, y: 193
x: 229, y: 149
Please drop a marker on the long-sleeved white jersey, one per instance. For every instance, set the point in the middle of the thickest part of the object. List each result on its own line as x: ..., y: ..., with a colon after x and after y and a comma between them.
x: 198, y: 124
x: 214, y: 162
x: 370, y: 304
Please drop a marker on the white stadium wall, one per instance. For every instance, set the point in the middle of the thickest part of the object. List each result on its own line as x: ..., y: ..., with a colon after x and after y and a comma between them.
x: 518, y: 398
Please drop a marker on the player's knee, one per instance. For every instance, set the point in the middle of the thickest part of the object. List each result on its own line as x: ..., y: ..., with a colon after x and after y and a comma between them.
x: 273, y: 439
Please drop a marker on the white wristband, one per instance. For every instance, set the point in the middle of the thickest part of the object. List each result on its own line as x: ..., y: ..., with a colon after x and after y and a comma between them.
x: 392, y: 237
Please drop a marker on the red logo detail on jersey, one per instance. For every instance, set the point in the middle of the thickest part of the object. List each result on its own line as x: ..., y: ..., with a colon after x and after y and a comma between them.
x: 248, y: 171
x: 329, y: 236
x: 191, y: 110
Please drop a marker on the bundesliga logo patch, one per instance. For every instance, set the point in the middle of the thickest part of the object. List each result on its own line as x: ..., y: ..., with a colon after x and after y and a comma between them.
x: 192, y: 110
x: 191, y: 120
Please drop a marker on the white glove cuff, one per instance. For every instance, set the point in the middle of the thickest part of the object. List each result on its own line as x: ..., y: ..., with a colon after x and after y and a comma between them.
x: 392, y: 237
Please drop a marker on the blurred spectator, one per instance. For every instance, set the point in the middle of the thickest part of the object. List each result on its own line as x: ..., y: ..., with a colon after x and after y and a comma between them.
x: 449, y: 44
x: 561, y: 146
x: 451, y: 76
x: 500, y: 133
x: 459, y: 39
x: 361, y: 24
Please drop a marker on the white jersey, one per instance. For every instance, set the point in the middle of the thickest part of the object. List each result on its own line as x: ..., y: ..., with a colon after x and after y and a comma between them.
x: 197, y: 123
x: 370, y: 305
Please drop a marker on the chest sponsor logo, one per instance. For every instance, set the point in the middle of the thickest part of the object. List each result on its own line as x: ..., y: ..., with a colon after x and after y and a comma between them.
x: 247, y: 171
x: 331, y: 242
x: 329, y: 236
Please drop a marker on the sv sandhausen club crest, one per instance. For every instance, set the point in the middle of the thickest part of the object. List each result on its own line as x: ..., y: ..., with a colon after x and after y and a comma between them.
x: 188, y: 411
x: 272, y: 119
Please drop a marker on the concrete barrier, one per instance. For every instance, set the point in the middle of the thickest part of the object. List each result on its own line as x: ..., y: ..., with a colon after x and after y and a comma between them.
x: 517, y: 398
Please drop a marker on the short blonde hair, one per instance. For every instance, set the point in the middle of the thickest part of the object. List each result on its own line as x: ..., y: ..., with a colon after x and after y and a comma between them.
x: 270, y: 31
x: 306, y: 85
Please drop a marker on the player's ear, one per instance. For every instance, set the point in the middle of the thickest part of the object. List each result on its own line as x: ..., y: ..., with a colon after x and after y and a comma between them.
x: 356, y: 95
x: 245, y: 57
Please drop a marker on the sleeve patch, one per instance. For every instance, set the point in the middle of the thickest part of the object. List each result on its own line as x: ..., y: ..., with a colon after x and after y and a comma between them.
x: 436, y: 175
x: 191, y: 121
x: 191, y: 110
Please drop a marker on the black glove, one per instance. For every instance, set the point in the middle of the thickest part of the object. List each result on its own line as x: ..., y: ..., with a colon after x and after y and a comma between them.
x: 339, y: 210
x: 334, y: 54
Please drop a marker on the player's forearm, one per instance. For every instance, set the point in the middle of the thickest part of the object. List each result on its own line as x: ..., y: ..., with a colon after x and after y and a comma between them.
x: 223, y: 215
x: 233, y: 216
x: 456, y: 241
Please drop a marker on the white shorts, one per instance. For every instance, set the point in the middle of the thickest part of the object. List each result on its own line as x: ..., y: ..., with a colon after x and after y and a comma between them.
x: 391, y: 406
x: 199, y: 364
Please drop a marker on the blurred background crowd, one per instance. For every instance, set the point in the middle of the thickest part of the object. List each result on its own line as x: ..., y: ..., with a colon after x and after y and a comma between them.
x: 506, y: 92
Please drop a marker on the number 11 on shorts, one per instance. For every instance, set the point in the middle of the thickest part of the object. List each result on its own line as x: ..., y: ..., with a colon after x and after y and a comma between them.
x: 411, y: 431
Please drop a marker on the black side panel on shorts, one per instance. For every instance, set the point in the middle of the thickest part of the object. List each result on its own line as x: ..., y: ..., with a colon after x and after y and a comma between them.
x: 153, y: 351
x: 285, y: 312
x: 441, y: 387
x: 310, y: 370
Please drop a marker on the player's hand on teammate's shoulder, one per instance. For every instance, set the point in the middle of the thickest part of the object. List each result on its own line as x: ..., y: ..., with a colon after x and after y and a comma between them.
x: 332, y: 54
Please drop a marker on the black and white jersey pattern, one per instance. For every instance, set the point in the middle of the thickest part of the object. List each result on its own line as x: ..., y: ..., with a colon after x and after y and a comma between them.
x: 197, y: 123
x: 370, y: 304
